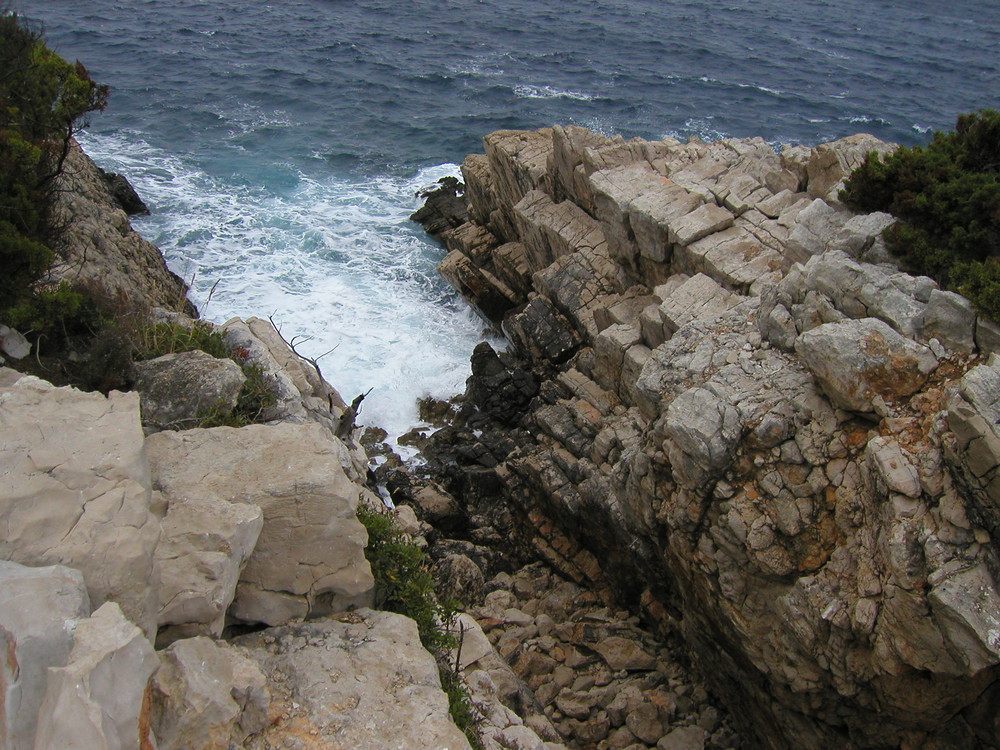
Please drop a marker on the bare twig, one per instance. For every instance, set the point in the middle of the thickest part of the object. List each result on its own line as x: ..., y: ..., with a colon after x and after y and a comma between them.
x: 301, y: 340
x: 458, y: 651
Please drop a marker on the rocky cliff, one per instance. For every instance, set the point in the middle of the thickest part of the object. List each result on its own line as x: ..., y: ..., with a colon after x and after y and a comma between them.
x: 195, y: 588
x: 725, y: 408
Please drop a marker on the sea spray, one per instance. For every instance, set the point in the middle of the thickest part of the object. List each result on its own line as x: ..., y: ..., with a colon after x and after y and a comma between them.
x: 335, y: 263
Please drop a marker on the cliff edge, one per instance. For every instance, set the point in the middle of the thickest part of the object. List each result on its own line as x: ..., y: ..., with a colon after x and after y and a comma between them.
x: 726, y: 407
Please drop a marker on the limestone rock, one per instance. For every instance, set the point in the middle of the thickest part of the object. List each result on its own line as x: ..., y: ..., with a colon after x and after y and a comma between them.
x: 831, y: 163
x: 13, y: 343
x: 364, y: 683
x: 97, y: 701
x: 703, y: 430
x: 98, y: 246
x: 302, y: 394
x: 542, y: 332
x: 38, y: 609
x: 309, y: 557
x: 951, y: 319
x: 857, y: 360
x: 683, y: 738
x: 490, y: 296
x: 77, y: 491
x: 206, y: 696
x: 623, y: 653
x: 205, y: 545
x: 176, y: 389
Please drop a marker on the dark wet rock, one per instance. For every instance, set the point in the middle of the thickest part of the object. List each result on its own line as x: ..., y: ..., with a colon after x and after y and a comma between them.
x: 444, y: 208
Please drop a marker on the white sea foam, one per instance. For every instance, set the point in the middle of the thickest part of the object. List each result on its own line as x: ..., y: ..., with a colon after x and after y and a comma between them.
x: 334, y: 260
x: 549, y: 92
x: 755, y: 86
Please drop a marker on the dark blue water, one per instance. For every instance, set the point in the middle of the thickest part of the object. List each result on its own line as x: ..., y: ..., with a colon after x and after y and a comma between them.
x: 280, y: 143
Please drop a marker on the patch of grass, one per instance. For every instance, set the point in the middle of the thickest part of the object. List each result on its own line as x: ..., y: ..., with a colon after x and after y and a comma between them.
x: 403, y: 584
x: 152, y: 341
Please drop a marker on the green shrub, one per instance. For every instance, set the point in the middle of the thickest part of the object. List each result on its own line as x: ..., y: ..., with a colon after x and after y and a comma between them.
x: 946, y: 196
x: 43, y: 102
x: 403, y: 584
x: 157, y: 339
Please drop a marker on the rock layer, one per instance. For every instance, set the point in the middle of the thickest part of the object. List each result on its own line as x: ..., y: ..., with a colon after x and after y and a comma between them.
x: 740, y: 423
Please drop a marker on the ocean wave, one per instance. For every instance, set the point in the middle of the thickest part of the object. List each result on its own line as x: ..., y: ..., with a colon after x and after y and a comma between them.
x: 865, y: 119
x: 335, y: 260
x: 549, y: 92
x: 755, y: 86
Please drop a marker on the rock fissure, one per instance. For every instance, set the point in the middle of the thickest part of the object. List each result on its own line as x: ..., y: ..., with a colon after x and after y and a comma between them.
x: 786, y: 506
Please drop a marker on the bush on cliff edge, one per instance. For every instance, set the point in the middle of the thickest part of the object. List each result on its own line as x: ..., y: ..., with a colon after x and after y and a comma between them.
x: 43, y: 103
x: 946, y: 196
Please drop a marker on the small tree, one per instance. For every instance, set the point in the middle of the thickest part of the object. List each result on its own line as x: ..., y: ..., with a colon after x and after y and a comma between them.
x: 43, y: 102
x: 946, y: 196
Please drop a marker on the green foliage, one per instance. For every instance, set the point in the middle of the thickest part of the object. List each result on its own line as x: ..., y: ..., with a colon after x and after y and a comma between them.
x: 23, y: 261
x: 155, y: 340
x: 403, y: 584
x: 256, y: 395
x: 459, y: 705
x: 947, y: 199
x: 403, y: 580
x: 60, y: 312
x: 980, y: 282
x: 43, y: 100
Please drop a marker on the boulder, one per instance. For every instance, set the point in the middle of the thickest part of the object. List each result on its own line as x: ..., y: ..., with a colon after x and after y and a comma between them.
x: 98, y: 700
x: 856, y: 361
x: 309, y: 558
x: 38, y: 610
x: 13, y: 343
x: 831, y: 163
x: 205, y: 545
x: 362, y: 682
x: 206, y: 696
x: 951, y: 319
x: 176, y: 390
x: 77, y: 491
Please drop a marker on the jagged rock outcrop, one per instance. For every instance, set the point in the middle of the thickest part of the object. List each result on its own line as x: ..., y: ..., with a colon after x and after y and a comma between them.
x: 98, y: 699
x: 38, y: 610
x: 746, y: 424
x: 97, y: 246
x: 206, y: 695
x: 308, y: 559
x: 77, y: 491
x: 361, y: 681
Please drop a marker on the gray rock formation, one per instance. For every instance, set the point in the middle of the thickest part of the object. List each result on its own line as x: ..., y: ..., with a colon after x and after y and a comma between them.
x: 206, y: 695
x: 309, y: 557
x: 98, y: 700
x: 204, y: 547
x: 175, y: 390
x: 97, y: 246
x: 38, y: 610
x: 748, y: 429
x: 361, y: 681
x: 77, y: 491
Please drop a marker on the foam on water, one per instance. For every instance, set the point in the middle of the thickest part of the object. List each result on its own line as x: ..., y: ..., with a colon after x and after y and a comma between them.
x: 549, y: 92
x: 334, y: 262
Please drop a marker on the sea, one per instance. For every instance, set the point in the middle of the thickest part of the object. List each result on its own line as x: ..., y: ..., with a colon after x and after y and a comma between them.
x: 281, y: 145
